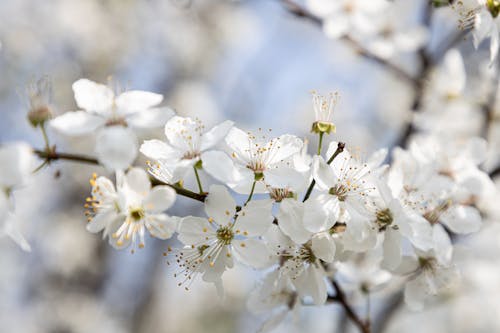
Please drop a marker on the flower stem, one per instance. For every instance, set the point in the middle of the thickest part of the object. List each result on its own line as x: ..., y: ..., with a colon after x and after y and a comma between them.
x: 320, y: 144
x: 340, y: 148
x: 251, y: 193
x: 200, y: 188
x: 45, y: 137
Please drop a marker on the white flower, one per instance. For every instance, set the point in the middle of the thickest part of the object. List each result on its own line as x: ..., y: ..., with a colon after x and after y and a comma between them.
x: 102, y: 111
x: 186, y: 141
x: 343, y: 186
x: 17, y: 161
x: 124, y: 214
x: 395, y: 31
x: 276, y: 296
x: 482, y: 16
x: 302, y: 264
x: 428, y: 277
x: 210, y: 243
x: 342, y: 17
x: 256, y: 159
x: 323, y: 112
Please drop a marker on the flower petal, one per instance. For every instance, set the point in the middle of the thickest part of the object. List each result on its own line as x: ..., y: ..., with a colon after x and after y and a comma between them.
x: 252, y: 252
x: 161, y: 226
x: 192, y: 230
x: 116, y: 147
x: 220, y: 205
x: 323, y: 246
x: 212, y: 137
x: 150, y: 118
x: 77, y: 123
x: 159, y: 199
x: 17, y: 163
x: 138, y: 181
x: 255, y: 218
x: 291, y: 220
x: 92, y: 96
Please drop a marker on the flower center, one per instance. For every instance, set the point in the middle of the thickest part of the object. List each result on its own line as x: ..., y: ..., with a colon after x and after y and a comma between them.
x: 116, y: 121
x: 190, y: 155
x: 225, y: 235
x: 384, y: 218
x: 340, y: 191
x: 307, y: 254
x: 433, y: 215
x: 137, y: 213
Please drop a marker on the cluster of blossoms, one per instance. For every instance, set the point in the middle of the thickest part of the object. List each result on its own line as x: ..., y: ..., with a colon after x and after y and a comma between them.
x: 306, y: 218
x: 310, y: 223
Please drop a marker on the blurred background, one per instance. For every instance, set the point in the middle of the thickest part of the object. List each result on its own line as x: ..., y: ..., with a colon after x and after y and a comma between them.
x: 248, y: 61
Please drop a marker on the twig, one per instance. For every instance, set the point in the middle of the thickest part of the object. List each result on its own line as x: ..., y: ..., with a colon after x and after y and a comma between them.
x: 52, y: 155
x: 299, y: 11
x: 340, y: 298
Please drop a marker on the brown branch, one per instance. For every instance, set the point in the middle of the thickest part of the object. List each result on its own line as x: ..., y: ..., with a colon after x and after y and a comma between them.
x: 301, y: 12
x: 340, y: 298
x: 52, y: 155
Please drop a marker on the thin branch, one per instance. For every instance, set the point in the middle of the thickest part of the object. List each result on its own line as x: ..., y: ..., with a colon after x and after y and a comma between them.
x: 340, y: 298
x: 301, y: 12
x: 52, y: 155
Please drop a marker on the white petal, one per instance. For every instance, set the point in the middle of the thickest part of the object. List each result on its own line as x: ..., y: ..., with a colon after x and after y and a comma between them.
x: 161, y: 226
x: 312, y: 283
x: 323, y: 246
x: 323, y: 174
x: 239, y: 141
x: 183, y: 133
x: 462, y: 219
x: 101, y: 220
x: 151, y: 118
x: 321, y: 212
x: 284, y: 177
x: 291, y: 220
x: 415, y: 293
x: 116, y: 147
x: 255, y: 218
x: 92, y: 96
x: 252, y: 252
x: 282, y: 148
x: 392, y: 249
x: 159, y: 150
x: 442, y: 245
x: 220, y: 205
x: 11, y: 229
x: 137, y: 100
x: 192, y: 230
x: 17, y: 163
x: 77, y: 123
x: 138, y: 181
x: 215, y: 135
x: 159, y: 199
x: 220, y: 166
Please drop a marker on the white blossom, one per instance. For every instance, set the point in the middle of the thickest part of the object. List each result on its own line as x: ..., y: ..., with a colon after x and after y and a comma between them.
x: 125, y: 213
x: 112, y: 118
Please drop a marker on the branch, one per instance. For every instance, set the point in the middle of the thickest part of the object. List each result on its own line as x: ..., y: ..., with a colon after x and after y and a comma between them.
x: 52, y: 155
x: 340, y: 148
x: 301, y: 12
x: 340, y: 298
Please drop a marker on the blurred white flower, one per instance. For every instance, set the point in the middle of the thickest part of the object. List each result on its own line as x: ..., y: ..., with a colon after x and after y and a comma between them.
x: 104, y: 112
x: 17, y: 163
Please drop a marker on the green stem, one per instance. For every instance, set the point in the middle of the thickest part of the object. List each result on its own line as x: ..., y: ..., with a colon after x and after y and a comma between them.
x: 200, y: 188
x: 320, y: 144
x: 251, y: 193
x: 45, y: 137
x: 340, y: 148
